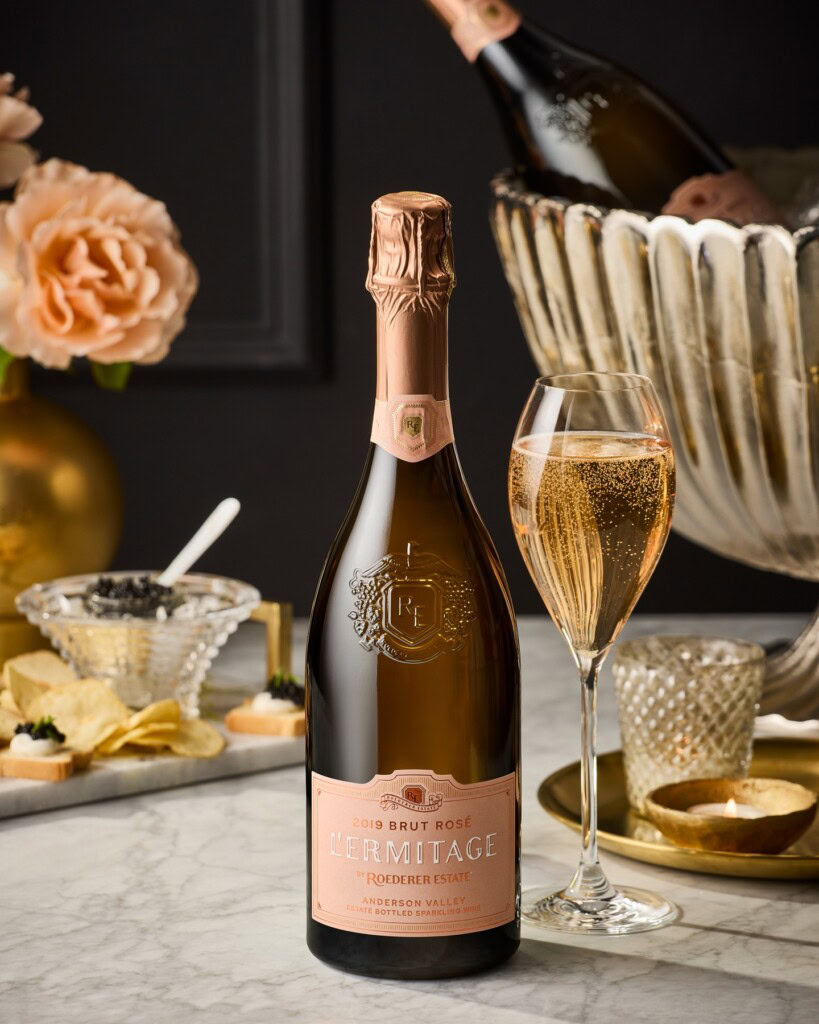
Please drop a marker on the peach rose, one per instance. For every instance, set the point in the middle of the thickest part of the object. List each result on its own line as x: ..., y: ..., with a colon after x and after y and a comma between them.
x: 17, y: 121
x: 89, y: 267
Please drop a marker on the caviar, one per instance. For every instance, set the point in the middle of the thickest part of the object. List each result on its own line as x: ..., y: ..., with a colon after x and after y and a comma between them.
x: 128, y: 595
x: 286, y: 687
x: 45, y: 729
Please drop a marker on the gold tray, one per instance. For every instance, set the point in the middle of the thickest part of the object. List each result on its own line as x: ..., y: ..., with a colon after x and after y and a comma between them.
x: 622, y: 831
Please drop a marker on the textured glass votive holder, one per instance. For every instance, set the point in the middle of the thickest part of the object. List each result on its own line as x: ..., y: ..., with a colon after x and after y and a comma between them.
x: 686, y: 706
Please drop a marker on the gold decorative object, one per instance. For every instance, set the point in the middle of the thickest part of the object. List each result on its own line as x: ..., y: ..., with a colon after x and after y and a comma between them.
x: 60, y: 502
x: 725, y: 321
x: 278, y: 621
x: 789, y: 812
x: 622, y: 831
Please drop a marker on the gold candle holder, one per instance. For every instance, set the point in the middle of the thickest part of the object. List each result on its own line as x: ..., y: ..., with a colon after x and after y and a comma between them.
x: 787, y: 810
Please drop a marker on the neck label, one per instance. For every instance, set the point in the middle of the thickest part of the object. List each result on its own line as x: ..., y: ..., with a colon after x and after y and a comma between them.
x: 475, y: 24
x: 412, y: 427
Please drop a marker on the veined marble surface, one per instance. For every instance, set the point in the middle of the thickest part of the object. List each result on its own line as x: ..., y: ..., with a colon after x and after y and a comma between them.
x: 189, y: 905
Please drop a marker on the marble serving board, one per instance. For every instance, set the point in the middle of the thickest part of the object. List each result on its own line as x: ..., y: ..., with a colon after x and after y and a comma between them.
x: 239, y: 672
x: 109, y: 777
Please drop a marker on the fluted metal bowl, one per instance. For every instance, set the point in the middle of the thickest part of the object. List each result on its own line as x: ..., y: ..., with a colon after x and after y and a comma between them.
x: 725, y: 321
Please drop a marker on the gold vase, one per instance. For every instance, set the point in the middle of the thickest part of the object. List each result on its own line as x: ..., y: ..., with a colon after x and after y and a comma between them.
x: 60, y: 501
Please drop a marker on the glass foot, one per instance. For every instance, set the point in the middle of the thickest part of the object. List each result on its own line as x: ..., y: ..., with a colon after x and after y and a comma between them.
x: 627, y: 911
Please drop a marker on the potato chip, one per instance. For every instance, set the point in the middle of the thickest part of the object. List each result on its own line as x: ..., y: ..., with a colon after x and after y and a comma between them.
x: 135, y: 736
x: 43, y: 667
x: 114, y: 729
x: 107, y: 744
x: 7, y: 701
x: 12, y: 675
x: 152, y: 741
x: 8, y: 723
x: 195, y: 738
x: 161, y: 711
x: 84, y: 710
x: 25, y: 695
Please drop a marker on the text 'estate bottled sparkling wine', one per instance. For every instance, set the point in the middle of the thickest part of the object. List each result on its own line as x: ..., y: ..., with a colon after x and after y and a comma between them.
x: 413, y: 677
x: 586, y: 129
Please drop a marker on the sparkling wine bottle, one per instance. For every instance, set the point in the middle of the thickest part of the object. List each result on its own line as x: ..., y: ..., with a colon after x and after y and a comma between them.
x: 584, y: 128
x: 412, y: 678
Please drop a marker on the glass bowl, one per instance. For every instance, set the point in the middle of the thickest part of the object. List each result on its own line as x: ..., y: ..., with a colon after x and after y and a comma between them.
x: 145, y: 659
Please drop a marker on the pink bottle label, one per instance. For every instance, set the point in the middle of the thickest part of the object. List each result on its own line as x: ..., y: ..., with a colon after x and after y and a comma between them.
x: 413, y: 853
x: 412, y: 427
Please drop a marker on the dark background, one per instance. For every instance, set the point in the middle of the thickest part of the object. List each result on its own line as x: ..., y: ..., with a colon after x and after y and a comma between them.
x: 160, y: 93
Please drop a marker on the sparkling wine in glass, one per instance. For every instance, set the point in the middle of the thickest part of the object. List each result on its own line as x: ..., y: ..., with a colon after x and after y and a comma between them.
x: 591, y: 490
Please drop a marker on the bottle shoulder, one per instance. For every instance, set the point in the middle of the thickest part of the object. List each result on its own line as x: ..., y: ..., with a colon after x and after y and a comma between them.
x: 401, y: 506
x: 585, y: 127
x: 413, y: 539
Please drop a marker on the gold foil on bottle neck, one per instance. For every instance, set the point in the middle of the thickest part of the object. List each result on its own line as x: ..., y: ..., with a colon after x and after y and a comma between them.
x: 411, y: 278
x: 411, y: 251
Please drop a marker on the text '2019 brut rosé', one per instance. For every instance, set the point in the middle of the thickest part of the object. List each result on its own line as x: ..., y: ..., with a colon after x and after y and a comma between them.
x: 582, y: 127
x: 413, y: 676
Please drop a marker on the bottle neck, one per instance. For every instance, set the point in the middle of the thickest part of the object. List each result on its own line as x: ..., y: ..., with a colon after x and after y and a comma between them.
x: 412, y: 419
x: 474, y: 24
x: 412, y: 354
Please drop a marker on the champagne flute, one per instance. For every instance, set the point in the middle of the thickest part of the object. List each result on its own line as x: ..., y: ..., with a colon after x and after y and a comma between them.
x: 591, y: 489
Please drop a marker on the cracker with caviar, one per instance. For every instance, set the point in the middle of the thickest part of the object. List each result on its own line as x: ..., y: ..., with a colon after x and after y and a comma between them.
x: 277, y: 711
x: 38, y: 751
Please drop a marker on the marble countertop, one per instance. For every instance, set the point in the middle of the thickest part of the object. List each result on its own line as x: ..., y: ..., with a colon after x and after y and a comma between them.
x: 188, y: 905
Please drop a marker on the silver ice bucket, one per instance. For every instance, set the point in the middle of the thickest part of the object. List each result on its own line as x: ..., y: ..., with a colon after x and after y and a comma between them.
x: 725, y: 321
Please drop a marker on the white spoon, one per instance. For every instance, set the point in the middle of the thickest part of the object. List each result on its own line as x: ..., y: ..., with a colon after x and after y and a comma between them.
x: 212, y: 528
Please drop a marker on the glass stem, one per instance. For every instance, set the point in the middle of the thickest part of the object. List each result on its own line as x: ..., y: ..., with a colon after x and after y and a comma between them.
x: 589, y: 885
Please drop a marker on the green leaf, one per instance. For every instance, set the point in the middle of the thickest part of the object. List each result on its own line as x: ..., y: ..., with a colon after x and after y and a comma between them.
x: 6, y: 359
x: 45, y: 729
x: 113, y: 376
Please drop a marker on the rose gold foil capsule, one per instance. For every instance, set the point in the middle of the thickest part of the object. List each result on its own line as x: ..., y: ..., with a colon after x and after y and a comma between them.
x: 411, y: 244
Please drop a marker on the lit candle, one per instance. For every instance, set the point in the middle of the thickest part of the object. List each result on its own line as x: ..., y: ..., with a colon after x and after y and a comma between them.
x: 731, y: 809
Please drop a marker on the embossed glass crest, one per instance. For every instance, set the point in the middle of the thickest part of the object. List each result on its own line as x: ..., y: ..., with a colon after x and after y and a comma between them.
x: 412, y: 607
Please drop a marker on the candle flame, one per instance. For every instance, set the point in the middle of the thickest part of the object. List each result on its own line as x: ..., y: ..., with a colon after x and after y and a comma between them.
x: 730, y: 808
